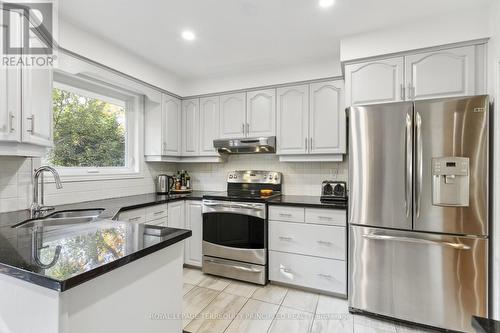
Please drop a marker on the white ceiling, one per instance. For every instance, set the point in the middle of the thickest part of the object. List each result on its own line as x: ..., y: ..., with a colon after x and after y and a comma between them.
x: 241, y: 35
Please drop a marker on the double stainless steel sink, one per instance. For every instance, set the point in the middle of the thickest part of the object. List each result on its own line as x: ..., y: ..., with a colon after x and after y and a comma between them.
x: 65, y: 217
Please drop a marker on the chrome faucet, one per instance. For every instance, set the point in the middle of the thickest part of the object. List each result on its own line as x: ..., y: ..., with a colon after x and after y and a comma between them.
x: 38, y: 206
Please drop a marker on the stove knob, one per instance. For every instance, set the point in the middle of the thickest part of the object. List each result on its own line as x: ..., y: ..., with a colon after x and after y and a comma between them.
x: 230, y: 176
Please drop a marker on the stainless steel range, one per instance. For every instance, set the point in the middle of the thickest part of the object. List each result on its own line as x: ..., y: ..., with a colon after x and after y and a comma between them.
x: 235, y: 226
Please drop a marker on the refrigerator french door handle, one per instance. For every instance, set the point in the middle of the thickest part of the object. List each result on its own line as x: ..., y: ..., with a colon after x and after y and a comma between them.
x: 419, y: 163
x: 456, y: 246
x: 408, y: 163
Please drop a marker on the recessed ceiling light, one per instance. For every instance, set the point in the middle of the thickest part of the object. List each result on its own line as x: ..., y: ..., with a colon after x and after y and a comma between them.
x: 326, y: 3
x: 188, y: 35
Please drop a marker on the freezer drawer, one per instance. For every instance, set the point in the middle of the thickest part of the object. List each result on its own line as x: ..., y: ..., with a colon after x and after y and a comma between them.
x: 419, y: 277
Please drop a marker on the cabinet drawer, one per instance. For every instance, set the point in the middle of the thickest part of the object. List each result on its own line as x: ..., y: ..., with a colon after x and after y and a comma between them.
x: 326, y: 216
x: 160, y: 222
x: 286, y: 213
x: 134, y: 215
x: 310, y: 272
x: 315, y: 240
x: 156, y: 212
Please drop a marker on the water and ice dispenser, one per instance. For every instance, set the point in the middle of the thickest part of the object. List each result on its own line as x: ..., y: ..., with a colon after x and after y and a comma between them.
x: 450, y: 181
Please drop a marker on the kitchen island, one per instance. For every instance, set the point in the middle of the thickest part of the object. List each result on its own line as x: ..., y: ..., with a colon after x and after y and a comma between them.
x: 100, y: 276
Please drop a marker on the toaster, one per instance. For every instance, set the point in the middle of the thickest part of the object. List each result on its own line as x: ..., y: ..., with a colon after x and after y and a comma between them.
x: 333, y: 190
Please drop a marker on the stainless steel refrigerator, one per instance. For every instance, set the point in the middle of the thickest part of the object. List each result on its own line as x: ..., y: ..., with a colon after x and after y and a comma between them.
x: 418, y: 210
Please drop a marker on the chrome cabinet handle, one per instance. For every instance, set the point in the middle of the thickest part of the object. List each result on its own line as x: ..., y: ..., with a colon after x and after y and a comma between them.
x: 31, y: 128
x: 325, y: 217
x: 285, y: 214
x: 11, y: 122
x: 402, y: 92
x: 457, y: 246
x: 324, y: 242
x: 248, y: 128
x: 419, y: 164
x: 238, y: 267
x: 310, y: 143
x: 326, y: 276
x: 158, y: 213
x: 408, y: 162
x: 243, y: 128
x: 306, y: 143
x: 133, y: 219
x: 285, y: 238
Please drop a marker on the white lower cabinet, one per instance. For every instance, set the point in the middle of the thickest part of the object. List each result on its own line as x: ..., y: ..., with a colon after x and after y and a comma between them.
x: 176, y: 214
x: 310, y: 272
x: 302, y: 238
x: 308, y: 248
x: 194, y: 222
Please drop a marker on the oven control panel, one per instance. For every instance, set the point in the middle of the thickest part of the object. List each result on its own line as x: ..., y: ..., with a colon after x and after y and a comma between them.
x: 254, y: 176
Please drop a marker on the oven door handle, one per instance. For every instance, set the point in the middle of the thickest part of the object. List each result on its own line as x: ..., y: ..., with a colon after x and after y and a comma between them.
x: 239, y: 267
x: 233, y: 205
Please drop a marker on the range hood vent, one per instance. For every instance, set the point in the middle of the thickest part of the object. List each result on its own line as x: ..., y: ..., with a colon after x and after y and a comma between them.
x: 260, y: 145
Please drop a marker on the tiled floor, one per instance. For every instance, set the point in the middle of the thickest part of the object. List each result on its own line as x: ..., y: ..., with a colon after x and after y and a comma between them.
x: 217, y: 305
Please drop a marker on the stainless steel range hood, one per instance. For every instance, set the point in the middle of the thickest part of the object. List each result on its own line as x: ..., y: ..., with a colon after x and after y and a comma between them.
x: 258, y: 145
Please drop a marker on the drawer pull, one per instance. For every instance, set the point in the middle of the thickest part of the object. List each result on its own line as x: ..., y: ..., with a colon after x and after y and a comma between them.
x: 285, y: 238
x: 158, y: 213
x: 325, y: 217
x: 285, y: 214
x: 324, y: 243
x: 133, y: 219
x: 325, y: 276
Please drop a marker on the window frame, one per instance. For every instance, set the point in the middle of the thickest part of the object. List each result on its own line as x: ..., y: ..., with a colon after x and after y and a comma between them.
x: 134, y: 107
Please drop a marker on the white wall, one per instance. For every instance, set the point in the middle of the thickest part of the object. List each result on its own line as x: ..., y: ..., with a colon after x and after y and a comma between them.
x: 298, y: 178
x: 452, y: 28
x: 270, y: 76
x: 107, y: 53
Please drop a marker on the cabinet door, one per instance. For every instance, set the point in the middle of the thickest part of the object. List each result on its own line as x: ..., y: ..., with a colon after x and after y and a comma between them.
x: 293, y: 120
x: 377, y: 81
x: 10, y: 104
x: 171, y: 119
x: 261, y: 113
x: 209, y: 125
x: 327, y: 132
x: 443, y: 73
x: 194, y: 222
x: 232, y: 115
x: 190, y: 127
x: 176, y: 214
x: 153, y: 125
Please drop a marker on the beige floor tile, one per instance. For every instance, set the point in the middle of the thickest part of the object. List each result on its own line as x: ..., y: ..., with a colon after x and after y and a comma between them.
x: 270, y: 293
x: 217, y: 316
x: 195, y: 301
x: 254, y: 317
x: 301, y: 300
x: 333, y: 325
x: 290, y: 320
x: 186, y: 287
x: 241, y: 289
x: 363, y: 324
x: 332, y: 305
x: 192, y: 276
x: 215, y: 283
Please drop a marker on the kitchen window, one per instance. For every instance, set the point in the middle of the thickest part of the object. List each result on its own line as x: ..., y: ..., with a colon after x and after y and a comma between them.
x: 95, y: 129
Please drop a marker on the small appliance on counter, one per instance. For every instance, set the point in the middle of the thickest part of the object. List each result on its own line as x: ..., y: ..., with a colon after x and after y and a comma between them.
x: 164, y: 184
x: 182, y: 183
x: 333, y: 191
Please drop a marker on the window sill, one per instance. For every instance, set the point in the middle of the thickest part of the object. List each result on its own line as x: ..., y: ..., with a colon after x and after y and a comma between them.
x: 68, y: 177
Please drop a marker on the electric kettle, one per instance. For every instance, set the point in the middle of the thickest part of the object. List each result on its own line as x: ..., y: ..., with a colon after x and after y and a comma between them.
x: 164, y: 183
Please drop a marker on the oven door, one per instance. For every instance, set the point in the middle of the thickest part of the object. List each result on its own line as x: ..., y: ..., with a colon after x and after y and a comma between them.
x: 235, y: 230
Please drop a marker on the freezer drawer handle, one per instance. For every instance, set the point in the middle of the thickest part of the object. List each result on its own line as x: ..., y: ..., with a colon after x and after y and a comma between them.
x: 285, y: 238
x: 457, y: 246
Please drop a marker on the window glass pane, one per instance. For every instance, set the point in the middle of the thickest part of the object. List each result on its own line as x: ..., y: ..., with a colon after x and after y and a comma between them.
x: 88, y: 131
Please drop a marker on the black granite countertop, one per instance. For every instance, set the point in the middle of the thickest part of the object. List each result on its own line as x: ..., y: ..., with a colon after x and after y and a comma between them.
x: 485, y: 325
x: 87, y: 250
x: 305, y: 201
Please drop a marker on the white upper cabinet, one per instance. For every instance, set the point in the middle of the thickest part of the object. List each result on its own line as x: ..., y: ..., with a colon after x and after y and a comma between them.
x: 261, y: 113
x: 209, y: 125
x: 293, y: 120
x: 232, y: 115
x: 444, y: 73
x: 171, y: 125
x: 37, y: 106
x: 10, y: 104
x: 376, y: 81
x: 153, y: 125
x: 327, y: 119
x: 190, y: 127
